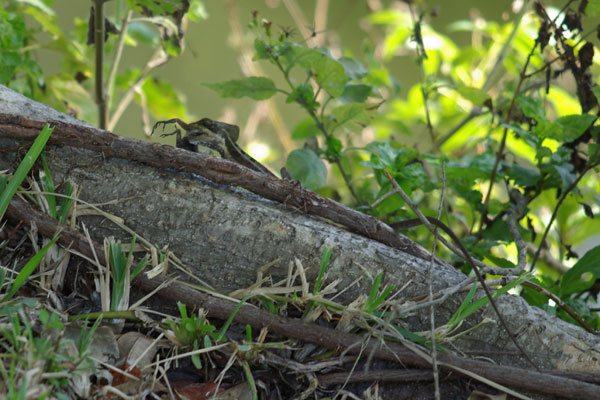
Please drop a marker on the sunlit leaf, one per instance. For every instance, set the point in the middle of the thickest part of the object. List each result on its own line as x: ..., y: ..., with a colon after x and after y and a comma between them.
x: 39, y: 4
x: 573, y: 126
x: 583, y: 274
x: 474, y: 95
x: 531, y: 107
x: 163, y: 100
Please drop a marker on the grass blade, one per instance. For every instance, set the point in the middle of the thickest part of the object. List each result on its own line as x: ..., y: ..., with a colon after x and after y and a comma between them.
x: 24, y: 168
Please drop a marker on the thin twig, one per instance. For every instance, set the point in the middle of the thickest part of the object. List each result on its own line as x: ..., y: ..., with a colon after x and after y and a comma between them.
x: 513, y: 215
x: 500, y: 152
x: 99, y: 50
x: 158, y: 58
x: 434, y: 365
x: 112, y: 74
x: 562, y: 198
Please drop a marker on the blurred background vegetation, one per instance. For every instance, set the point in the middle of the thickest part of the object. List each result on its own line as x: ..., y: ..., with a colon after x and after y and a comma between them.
x: 445, y: 96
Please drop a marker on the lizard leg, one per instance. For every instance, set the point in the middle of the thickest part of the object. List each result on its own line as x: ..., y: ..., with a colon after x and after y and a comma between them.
x: 171, y: 121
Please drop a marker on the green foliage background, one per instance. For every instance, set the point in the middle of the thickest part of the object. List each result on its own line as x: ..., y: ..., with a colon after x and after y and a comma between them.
x: 515, y: 107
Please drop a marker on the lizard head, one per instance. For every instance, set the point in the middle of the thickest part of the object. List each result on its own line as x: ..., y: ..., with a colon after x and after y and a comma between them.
x: 218, y: 127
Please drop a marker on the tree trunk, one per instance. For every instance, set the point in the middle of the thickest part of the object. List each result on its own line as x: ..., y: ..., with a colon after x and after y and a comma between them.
x: 225, y: 234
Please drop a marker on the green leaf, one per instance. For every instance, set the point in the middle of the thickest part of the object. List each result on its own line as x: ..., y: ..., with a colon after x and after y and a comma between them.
x: 547, y: 129
x: 524, y: 177
x: 164, y: 101
x: 479, y: 303
x: 353, y: 68
x: 583, y: 274
x: 305, y: 129
x: 357, y: 113
x: 330, y: 75
x: 197, y: 11
x: 23, y: 168
x: 48, y: 186
x: 303, y: 94
x: 257, y: 88
x: 27, y: 270
x: 326, y: 71
x: 140, y: 31
x: 531, y: 107
x: 474, y: 95
x: 596, y: 88
x: 382, y: 155
x: 66, y: 203
x: 566, y: 175
x: 305, y: 166
x: 573, y: 126
x: 354, y: 93
x: 593, y: 8
x: 263, y: 51
x: 39, y: 4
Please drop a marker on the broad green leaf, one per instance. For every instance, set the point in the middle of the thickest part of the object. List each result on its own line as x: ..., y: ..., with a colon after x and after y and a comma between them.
x: 357, y: 113
x: 353, y: 68
x: 596, y: 90
x: 354, y: 93
x: 531, y: 107
x: 39, y: 4
x: 326, y: 71
x: 389, y: 17
x: 524, y: 177
x: 164, y: 101
x: 330, y: 75
x: 8, y: 65
x: 566, y: 175
x: 397, y: 38
x: 573, y: 126
x: 547, y: 129
x: 474, y: 95
x: 257, y: 88
x: 262, y: 50
x: 142, y: 32
x: 303, y: 94
x: 379, y: 77
x: 305, y: 166
x: 593, y: 8
x: 583, y: 274
x: 305, y: 129
x: 382, y: 155
x: 197, y: 11
x: 500, y: 261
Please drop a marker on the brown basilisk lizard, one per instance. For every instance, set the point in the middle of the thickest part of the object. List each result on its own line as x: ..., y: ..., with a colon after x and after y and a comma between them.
x: 217, y: 136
